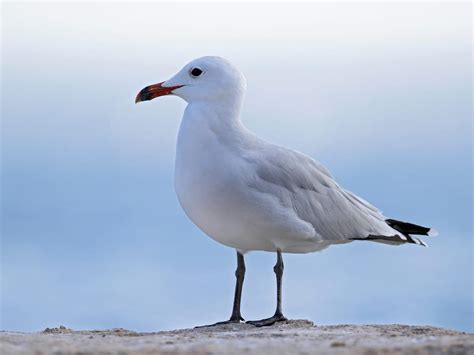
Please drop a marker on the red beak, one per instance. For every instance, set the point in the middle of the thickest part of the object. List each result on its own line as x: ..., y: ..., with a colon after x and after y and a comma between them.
x: 153, y: 91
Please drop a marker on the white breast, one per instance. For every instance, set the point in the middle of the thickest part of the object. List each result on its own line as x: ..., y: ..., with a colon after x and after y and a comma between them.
x: 212, y: 185
x: 203, y: 172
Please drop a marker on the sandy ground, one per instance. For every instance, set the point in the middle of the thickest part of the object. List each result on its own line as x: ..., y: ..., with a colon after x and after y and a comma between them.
x: 292, y: 337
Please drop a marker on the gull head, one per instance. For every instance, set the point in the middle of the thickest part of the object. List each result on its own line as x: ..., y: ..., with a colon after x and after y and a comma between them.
x: 204, y: 79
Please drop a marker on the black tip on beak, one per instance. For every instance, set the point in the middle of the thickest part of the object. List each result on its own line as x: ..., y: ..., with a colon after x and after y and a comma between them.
x: 153, y: 91
x: 144, y: 95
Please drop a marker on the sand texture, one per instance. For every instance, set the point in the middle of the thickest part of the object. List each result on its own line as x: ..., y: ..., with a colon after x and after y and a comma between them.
x: 291, y: 337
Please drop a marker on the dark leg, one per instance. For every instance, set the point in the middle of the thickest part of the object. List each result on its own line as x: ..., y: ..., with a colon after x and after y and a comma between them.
x: 278, y: 316
x: 239, y: 275
x: 239, y: 283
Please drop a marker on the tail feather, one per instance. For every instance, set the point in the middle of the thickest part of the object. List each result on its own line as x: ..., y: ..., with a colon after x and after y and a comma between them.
x: 406, y: 231
x: 415, y: 240
x: 394, y: 239
x: 410, y: 228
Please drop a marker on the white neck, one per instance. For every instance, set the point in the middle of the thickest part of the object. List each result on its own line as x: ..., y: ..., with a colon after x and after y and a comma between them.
x: 221, y: 115
x: 208, y: 129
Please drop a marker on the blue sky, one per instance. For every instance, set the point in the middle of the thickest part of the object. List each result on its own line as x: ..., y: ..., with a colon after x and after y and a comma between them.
x: 92, y: 233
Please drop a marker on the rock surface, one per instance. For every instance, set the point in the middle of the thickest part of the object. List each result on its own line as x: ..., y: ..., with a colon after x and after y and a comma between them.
x: 291, y: 337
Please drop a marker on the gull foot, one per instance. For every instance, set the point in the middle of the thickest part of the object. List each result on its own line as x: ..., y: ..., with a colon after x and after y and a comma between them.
x: 230, y: 321
x: 268, y: 321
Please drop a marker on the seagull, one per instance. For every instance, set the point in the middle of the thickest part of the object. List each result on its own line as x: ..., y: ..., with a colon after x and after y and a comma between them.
x: 251, y: 195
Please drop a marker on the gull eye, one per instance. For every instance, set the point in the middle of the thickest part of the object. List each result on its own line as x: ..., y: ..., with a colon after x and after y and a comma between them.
x: 196, y: 72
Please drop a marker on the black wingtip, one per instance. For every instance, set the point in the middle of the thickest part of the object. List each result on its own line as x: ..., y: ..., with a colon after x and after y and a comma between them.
x: 408, y: 228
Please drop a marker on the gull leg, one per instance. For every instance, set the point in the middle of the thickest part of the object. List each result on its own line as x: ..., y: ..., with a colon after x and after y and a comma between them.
x: 239, y: 275
x: 278, y: 316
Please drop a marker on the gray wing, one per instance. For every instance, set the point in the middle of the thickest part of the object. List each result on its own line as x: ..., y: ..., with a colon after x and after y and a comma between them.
x: 304, y: 185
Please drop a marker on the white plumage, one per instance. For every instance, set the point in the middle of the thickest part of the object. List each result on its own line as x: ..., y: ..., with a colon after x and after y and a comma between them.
x: 252, y: 195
